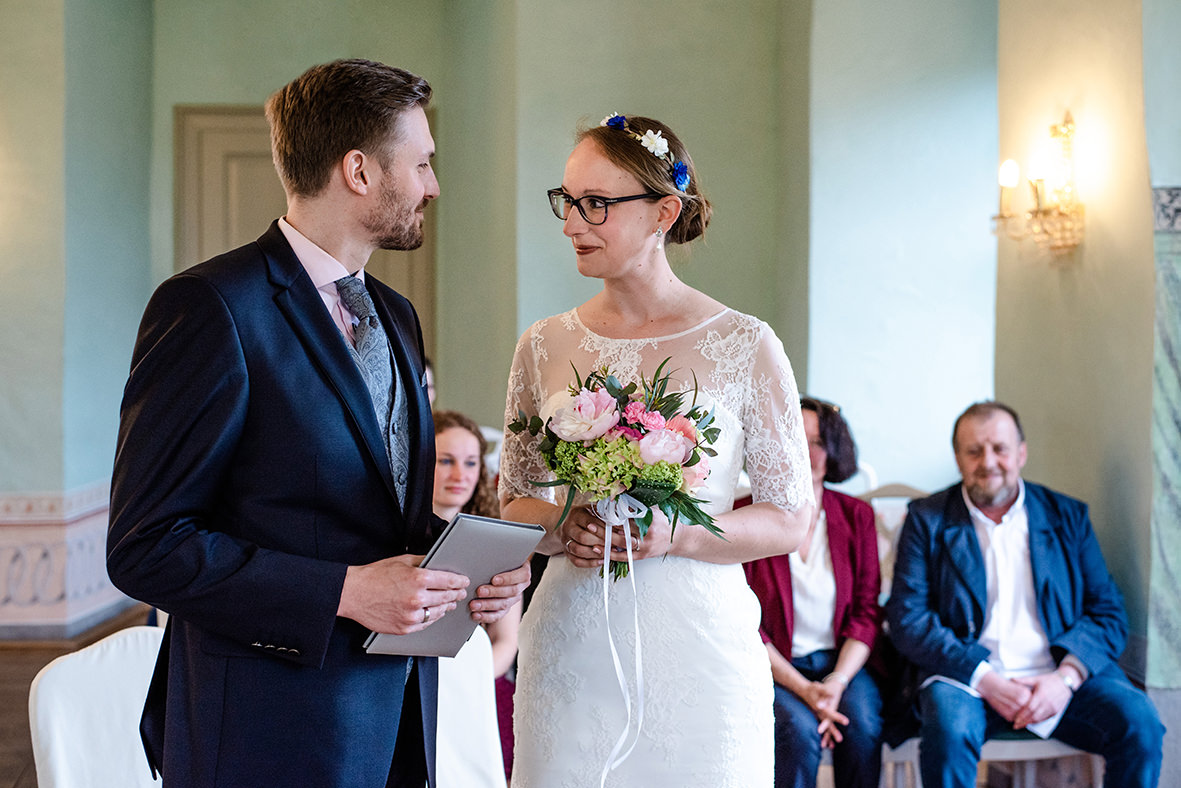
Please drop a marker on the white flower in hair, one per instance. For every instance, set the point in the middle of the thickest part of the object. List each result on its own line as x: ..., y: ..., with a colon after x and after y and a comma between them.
x: 655, y: 143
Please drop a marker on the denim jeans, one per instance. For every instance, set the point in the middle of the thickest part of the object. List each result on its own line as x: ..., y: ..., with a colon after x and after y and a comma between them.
x: 1107, y: 715
x: 857, y: 761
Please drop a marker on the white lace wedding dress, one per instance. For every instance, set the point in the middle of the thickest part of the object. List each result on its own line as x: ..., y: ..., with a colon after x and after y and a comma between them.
x: 707, y: 687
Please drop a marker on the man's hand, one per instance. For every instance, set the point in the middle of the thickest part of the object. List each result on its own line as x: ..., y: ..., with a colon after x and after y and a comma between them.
x: 394, y: 596
x: 497, y: 598
x: 1006, y: 696
x: 1049, y: 695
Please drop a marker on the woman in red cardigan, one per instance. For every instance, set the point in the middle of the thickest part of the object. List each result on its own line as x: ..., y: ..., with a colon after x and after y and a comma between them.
x: 820, y: 620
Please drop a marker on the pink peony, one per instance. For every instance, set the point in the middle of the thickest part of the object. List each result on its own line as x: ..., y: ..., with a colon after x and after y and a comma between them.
x: 589, y: 416
x: 664, y: 445
x: 695, y: 475
x: 684, y: 426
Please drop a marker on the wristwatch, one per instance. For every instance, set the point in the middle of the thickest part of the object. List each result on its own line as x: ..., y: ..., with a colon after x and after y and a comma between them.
x: 1068, y: 679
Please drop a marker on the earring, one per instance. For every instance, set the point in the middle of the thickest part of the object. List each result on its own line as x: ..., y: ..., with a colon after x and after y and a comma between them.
x: 659, y: 237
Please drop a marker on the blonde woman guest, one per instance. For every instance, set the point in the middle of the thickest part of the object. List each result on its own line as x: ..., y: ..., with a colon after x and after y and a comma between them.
x: 629, y: 189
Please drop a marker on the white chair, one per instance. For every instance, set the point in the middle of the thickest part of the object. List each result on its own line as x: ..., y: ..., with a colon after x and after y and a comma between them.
x: 1023, y: 750
x: 889, y: 509
x: 84, y: 710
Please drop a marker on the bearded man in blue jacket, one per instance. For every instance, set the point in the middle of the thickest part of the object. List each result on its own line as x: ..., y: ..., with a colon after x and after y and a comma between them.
x: 1002, y: 599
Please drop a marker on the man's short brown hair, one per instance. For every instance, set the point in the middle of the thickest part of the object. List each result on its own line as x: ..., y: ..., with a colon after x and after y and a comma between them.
x: 980, y: 410
x: 334, y: 108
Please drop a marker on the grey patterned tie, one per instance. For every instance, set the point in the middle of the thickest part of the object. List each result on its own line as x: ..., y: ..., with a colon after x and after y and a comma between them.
x: 371, y: 352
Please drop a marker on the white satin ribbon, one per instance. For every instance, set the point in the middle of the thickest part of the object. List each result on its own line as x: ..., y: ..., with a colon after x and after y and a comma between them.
x: 617, y: 512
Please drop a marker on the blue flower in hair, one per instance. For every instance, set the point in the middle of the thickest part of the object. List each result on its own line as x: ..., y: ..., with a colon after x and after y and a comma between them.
x: 615, y: 121
x: 681, y: 175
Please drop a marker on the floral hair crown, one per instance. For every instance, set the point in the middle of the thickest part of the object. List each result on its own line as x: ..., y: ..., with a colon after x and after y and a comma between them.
x: 656, y: 144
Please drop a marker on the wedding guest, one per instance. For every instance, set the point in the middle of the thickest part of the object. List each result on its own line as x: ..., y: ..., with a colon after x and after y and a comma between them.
x: 1003, y: 601
x: 629, y: 189
x: 821, y: 620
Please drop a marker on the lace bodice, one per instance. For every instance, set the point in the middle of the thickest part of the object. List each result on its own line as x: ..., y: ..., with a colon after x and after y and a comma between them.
x: 739, y: 366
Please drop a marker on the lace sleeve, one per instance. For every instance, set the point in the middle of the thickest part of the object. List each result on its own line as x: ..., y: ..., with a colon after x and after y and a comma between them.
x: 776, y: 451
x: 520, y: 461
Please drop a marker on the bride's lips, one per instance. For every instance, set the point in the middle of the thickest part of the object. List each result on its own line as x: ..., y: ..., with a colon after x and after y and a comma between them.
x: 584, y: 249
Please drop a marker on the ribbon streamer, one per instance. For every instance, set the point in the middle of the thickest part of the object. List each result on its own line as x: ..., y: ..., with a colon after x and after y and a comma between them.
x: 617, y: 512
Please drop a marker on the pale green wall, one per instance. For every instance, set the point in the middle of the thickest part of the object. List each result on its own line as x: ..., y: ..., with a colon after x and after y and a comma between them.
x: 903, y: 266
x: 107, y: 148
x: 1075, y: 337
x: 475, y: 132
x: 32, y: 251
x: 1162, y: 69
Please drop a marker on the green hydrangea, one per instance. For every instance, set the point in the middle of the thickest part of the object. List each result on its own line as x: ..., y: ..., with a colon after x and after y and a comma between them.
x: 662, y: 474
x: 607, y: 468
x: 564, y: 462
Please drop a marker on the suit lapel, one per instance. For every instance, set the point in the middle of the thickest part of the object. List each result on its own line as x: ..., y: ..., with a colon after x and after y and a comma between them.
x: 963, y: 548
x: 301, y: 305
x: 1041, y: 547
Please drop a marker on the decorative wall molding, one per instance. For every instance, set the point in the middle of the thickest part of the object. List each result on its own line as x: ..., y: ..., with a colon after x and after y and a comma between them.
x: 53, y: 576
x: 1166, y: 209
x: 53, y: 508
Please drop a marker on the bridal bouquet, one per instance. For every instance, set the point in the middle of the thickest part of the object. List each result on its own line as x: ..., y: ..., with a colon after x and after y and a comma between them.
x: 628, y: 449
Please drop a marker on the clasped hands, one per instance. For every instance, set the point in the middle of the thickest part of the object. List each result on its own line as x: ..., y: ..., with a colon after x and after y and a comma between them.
x: 1025, y: 701
x: 823, y: 698
x: 582, y: 538
x: 395, y: 596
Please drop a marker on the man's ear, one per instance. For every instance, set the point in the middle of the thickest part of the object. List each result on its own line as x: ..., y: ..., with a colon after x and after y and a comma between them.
x: 356, y: 168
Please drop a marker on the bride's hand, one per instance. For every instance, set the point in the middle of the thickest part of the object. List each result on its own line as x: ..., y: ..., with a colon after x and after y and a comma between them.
x: 657, y: 542
x: 582, y: 536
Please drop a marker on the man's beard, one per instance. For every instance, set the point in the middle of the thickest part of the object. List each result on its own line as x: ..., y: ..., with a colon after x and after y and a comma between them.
x: 980, y: 495
x: 395, y: 225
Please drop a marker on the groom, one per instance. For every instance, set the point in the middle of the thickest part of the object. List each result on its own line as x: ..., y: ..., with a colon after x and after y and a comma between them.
x: 272, y: 485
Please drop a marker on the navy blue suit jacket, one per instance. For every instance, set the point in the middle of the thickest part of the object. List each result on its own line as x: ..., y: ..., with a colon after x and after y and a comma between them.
x: 250, y: 473
x: 937, y: 603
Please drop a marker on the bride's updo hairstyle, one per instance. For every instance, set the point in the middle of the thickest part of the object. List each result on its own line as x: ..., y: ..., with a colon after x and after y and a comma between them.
x: 651, y: 152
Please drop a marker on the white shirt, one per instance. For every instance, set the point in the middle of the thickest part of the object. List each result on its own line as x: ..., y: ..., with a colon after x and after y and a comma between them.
x: 324, y: 270
x: 813, y: 595
x: 1013, y: 631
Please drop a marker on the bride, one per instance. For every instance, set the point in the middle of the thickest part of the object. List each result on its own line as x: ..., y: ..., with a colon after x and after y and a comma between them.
x: 629, y: 188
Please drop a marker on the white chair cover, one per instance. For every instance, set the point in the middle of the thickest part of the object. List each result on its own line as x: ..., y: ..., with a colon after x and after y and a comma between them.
x: 84, y: 711
x: 468, y: 750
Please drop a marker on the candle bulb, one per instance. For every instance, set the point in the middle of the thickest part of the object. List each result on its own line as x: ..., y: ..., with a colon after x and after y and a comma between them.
x: 1008, y: 177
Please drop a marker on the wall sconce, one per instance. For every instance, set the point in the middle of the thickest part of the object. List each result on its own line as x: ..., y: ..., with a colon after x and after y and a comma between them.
x: 1056, y: 219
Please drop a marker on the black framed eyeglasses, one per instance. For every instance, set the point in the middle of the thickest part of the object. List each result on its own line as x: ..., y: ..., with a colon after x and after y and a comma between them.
x: 593, y: 208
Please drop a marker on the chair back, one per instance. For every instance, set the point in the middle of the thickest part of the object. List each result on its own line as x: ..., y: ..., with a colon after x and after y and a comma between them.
x: 84, y: 710
x: 889, y: 509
